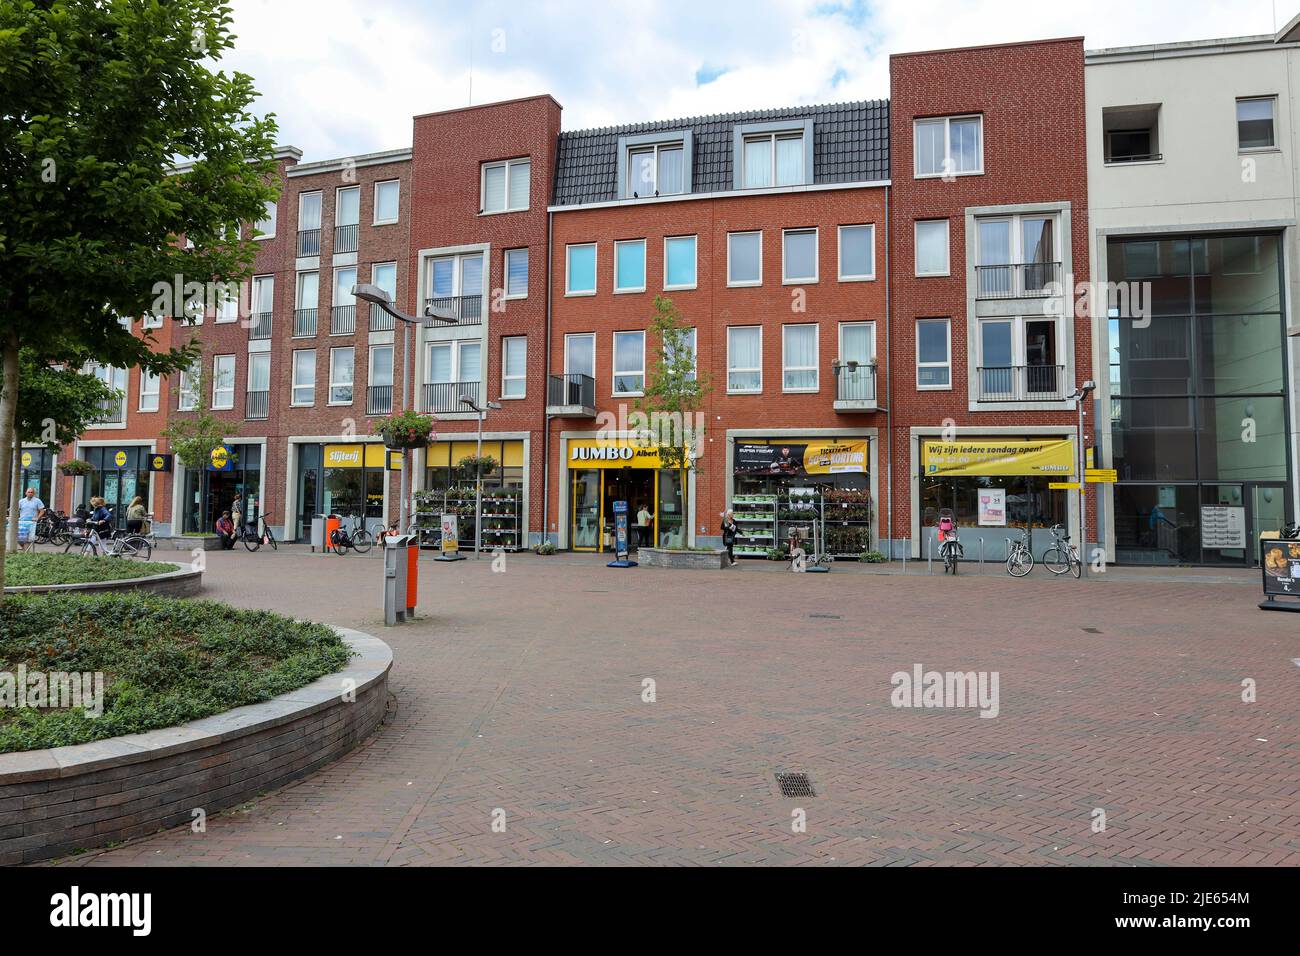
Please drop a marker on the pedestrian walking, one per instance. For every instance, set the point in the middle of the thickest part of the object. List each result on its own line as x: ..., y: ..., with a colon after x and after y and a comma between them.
x: 729, y: 531
x: 30, y: 508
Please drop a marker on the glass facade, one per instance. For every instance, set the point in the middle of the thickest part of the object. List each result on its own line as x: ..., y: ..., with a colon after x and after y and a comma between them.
x: 243, y: 478
x: 120, y: 473
x: 1197, y: 411
x: 36, y: 470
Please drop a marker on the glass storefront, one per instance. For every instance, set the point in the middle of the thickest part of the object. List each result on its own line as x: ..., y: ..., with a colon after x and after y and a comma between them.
x: 242, y: 475
x: 442, y: 468
x: 1198, y: 414
x: 120, y: 473
x: 345, y: 479
x: 601, y: 471
x: 36, y: 470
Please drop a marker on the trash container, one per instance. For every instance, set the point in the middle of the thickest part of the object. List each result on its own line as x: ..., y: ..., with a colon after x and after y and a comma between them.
x: 332, y: 524
x: 318, y: 532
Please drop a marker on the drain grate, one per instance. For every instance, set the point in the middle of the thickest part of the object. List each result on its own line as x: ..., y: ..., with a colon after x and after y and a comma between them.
x: 829, y: 617
x: 1091, y: 630
x: 795, y: 784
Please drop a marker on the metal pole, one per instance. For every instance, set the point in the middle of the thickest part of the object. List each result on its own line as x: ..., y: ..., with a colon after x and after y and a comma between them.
x: 402, y: 483
x: 478, y: 488
x: 981, y: 554
x: 929, y: 563
x: 1083, y: 498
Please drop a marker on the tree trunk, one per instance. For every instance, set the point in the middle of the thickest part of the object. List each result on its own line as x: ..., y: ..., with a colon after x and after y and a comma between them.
x: 8, y: 414
x: 15, y: 494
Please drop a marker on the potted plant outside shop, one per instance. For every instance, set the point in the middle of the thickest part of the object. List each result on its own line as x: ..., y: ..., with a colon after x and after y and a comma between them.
x: 75, y: 467
x: 406, y: 429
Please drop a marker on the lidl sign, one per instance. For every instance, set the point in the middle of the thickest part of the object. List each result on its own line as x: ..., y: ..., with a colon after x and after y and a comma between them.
x: 120, y: 459
x: 221, y: 459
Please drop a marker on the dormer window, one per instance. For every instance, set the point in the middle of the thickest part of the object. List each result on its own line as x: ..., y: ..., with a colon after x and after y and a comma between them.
x: 654, y: 164
x: 775, y: 154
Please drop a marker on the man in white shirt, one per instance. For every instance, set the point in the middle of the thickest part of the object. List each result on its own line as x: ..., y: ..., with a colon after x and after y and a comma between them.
x: 643, y: 519
x: 29, y: 509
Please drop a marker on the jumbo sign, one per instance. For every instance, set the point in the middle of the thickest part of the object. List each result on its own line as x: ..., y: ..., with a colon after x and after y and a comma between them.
x: 612, y: 453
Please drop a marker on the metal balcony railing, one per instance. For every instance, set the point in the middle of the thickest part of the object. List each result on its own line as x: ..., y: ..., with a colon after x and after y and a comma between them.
x: 381, y: 321
x: 1021, y: 383
x: 345, y: 238
x: 304, y: 323
x: 259, y: 325
x: 465, y: 309
x: 1015, y: 280
x: 257, y: 405
x: 444, y: 397
x: 572, y: 388
x: 856, y: 384
x: 308, y: 242
x: 379, y: 399
x: 113, y: 411
x: 343, y: 320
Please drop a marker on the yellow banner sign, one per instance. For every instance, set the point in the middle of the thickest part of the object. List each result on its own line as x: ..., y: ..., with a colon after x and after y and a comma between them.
x: 1052, y: 457
x: 1063, y: 486
x: 1102, y: 476
x: 612, y: 453
x: 356, y: 456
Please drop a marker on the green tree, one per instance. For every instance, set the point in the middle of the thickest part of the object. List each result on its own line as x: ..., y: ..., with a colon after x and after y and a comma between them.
x: 117, y: 137
x: 193, y: 436
x: 674, y: 392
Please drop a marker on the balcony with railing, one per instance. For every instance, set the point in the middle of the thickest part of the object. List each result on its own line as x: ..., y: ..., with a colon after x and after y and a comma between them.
x: 572, y: 395
x: 304, y: 323
x: 444, y: 398
x: 345, y: 238
x: 257, y: 405
x: 465, y: 309
x: 379, y: 399
x: 1014, y: 281
x: 1022, y: 383
x: 308, y: 242
x: 259, y: 325
x: 112, y: 411
x: 855, y: 387
x: 381, y: 321
x: 343, y: 320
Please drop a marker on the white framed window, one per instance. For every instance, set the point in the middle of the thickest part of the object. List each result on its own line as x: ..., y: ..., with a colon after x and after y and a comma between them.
x: 347, y: 211
x: 773, y: 159
x: 223, y: 381
x: 452, y: 277
x: 629, y: 363
x: 948, y: 146
x: 1019, y: 358
x: 857, y: 253
x: 679, y: 262
x: 580, y: 269
x: 303, y: 389
x: 933, y: 354
x: 387, y: 196
x: 264, y: 228
x: 150, y: 388
x: 455, y: 361
x: 858, y: 343
x: 309, y: 212
x: 516, y: 269
x: 932, y: 247
x: 799, y: 358
x: 344, y: 280
x: 259, y: 371
x: 1015, y: 255
x: 1256, y: 122
x: 384, y: 275
x: 514, y: 366
x: 505, y: 186
x: 744, y: 359
x: 228, y: 305
x: 342, y: 369
x: 688, y: 346
x: 187, y: 391
x: 655, y: 170
x: 745, y: 258
x: 798, y: 256
x: 580, y: 354
x: 629, y: 265
x: 380, y: 372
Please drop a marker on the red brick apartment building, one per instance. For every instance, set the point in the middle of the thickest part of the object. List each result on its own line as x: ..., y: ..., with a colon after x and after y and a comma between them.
x: 989, y: 215
x: 849, y: 304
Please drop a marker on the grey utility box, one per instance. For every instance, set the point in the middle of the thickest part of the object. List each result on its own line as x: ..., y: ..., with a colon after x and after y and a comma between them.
x: 395, y: 546
x: 318, y: 532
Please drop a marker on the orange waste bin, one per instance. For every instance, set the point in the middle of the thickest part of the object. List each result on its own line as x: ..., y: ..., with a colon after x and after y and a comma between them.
x: 332, y: 523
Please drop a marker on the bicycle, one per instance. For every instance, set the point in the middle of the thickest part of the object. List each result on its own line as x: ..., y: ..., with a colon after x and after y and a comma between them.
x: 356, y: 537
x: 1062, y: 556
x: 52, y: 528
x: 128, y: 544
x: 1020, y: 560
x: 252, y: 539
x: 951, y: 551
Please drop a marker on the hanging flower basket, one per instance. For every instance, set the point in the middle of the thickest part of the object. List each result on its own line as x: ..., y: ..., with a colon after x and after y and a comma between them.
x: 75, y: 467
x: 406, y: 430
x: 472, y: 465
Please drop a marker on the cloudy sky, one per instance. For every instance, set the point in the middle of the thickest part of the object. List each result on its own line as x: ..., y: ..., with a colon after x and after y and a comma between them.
x: 345, y: 77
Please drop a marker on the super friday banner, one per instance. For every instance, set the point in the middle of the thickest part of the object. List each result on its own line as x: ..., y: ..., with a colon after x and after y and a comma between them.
x: 800, y: 459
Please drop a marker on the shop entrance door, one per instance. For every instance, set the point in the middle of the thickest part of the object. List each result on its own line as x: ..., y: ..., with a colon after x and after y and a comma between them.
x: 1269, y: 511
x: 636, y: 486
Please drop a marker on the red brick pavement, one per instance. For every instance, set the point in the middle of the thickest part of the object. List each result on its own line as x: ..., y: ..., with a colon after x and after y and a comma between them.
x: 523, y: 691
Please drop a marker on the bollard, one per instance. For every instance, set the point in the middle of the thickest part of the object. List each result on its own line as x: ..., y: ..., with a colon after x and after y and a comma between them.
x: 907, y: 549
x: 930, y: 561
x: 981, y: 555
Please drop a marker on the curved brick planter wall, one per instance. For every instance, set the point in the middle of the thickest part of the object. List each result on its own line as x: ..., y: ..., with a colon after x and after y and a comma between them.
x: 53, y: 802
x: 658, y: 558
x: 183, y: 582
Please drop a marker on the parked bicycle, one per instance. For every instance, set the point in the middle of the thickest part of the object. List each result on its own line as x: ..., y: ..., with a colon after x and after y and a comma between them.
x: 249, y: 534
x: 119, y: 544
x: 1062, y: 556
x: 52, y: 528
x: 1020, y: 560
x: 950, y: 549
x: 356, y: 537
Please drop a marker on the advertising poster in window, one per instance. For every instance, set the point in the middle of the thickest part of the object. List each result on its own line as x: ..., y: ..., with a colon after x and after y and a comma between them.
x: 993, y: 507
x: 800, y: 459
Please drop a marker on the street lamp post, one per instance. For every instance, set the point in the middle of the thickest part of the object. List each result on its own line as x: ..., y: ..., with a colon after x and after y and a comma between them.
x: 478, y: 470
x: 377, y: 296
x: 1079, y: 396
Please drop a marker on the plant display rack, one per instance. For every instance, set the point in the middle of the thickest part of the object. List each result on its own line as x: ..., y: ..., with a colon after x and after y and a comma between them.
x: 500, y: 517
x: 756, y: 523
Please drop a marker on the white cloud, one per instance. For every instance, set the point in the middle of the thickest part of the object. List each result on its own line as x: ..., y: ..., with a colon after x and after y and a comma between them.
x: 345, y: 76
